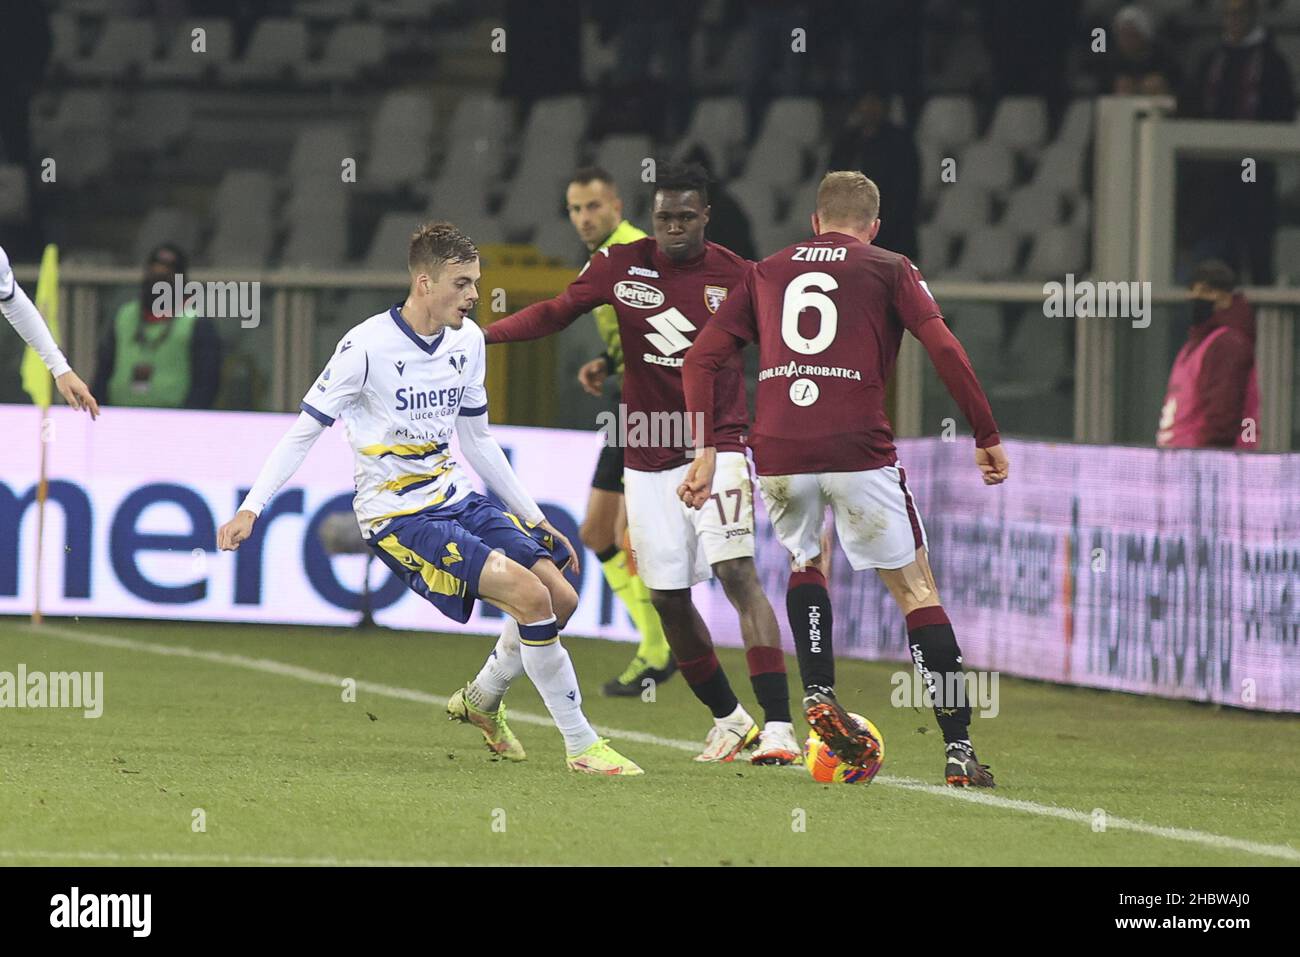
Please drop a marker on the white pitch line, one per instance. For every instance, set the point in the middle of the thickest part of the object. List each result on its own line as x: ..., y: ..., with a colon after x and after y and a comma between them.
x: 164, y: 857
x: 267, y: 666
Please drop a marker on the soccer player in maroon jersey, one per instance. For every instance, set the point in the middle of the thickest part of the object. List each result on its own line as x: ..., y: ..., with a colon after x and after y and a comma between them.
x: 665, y: 289
x: 828, y: 315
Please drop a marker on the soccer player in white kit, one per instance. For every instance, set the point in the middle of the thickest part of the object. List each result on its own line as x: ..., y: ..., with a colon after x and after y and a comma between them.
x: 24, y: 317
x: 402, y: 381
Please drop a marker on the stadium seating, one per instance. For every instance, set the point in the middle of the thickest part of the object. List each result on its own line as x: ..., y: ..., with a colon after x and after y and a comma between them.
x: 623, y: 155
x: 1057, y: 251
x: 124, y: 44
x: 718, y: 127
x: 243, y: 211
x: 405, y: 118
x: 318, y: 154
x: 988, y: 164
x: 947, y: 124
x: 181, y: 64
x: 1019, y: 122
x: 556, y: 237
x: 1032, y: 209
x: 165, y: 224
x: 351, y: 50
x: 278, y: 48
x: 990, y: 253
x: 78, y: 136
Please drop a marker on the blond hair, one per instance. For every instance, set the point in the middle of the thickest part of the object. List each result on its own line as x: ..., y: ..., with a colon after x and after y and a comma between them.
x: 848, y: 198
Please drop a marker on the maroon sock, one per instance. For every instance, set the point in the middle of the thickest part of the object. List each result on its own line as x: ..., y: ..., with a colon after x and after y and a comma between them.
x: 709, y: 682
x: 767, y: 676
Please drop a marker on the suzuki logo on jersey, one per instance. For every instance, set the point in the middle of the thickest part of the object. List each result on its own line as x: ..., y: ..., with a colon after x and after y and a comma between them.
x: 713, y: 296
x: 819, y: 254
x: 457, y: 360
x: 669, y: 338
x: 638, y: 295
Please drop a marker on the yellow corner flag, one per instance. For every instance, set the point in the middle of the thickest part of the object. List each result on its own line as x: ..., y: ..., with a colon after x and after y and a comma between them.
x: 36, y: 378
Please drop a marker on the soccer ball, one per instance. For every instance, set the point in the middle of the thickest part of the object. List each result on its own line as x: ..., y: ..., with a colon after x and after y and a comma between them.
x: 825, y: 766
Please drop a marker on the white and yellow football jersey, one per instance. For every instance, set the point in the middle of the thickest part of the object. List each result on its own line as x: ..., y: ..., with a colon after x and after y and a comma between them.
x: 399, y: 394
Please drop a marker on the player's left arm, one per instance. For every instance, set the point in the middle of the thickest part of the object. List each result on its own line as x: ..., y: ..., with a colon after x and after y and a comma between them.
x: 484, y: 455
x: 549, y: 316
x: 28, y: 322
x: 921, y: 316
x: 722, y: 337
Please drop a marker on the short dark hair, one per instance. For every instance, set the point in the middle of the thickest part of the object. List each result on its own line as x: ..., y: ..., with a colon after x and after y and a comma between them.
x: 1216, y: 274
x: 163, y: 252
x: 434, y: 244
x: 682, y: 177
x: 593, y: 174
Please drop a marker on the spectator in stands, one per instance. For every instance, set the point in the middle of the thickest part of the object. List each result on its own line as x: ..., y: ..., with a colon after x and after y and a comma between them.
x: 773, y: 67
x: 151, y: 357
x: 1243, y: 78
x: 653, y: 58
x: 543, y: 49
x: 1138, y: 63
x: 25, y: 26
x: 1029, y: 43
x: 728, y: 224
x: 1212, y: 400
x: 887, y: 154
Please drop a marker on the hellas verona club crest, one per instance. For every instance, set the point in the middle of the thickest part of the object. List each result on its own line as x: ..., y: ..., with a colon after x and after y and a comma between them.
x: 713, y: 296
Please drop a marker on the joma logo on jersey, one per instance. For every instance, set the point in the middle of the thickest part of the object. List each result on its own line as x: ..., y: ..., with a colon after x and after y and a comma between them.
x: 642, y: 271
x: 413, y: 398
x: 638, y: 295
x: 819, y: 254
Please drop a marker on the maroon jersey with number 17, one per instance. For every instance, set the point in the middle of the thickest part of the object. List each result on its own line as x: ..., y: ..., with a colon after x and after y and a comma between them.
x: 828, y: 315
x: 662, y: 305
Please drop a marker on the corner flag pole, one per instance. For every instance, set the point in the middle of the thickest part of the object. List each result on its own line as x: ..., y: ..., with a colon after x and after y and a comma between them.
x: 39, y: 385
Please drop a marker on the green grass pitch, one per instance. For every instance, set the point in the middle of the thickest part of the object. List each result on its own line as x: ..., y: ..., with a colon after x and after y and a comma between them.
x: 248, y: 724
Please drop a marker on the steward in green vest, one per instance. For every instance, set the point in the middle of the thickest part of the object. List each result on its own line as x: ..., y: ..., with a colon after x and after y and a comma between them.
x: 153, y: 359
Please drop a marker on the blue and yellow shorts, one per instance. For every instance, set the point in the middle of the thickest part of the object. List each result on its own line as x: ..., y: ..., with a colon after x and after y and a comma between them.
x: 440, y: 552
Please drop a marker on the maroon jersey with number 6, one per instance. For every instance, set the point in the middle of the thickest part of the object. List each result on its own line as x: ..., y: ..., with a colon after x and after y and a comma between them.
x: 662, y: 305
x: 828, y: 315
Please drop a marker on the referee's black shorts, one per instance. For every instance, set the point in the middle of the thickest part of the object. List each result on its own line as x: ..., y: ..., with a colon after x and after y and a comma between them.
x: 609, y: 467
x: 609, y: 470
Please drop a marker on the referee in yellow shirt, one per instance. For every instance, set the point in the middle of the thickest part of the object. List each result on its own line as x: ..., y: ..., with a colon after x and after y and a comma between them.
x: 596, y: 211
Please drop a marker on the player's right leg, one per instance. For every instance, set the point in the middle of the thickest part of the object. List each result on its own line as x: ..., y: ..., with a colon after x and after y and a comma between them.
x: 472, y: 552
x: 601, y: 531
x: 796, y: 505
x: 670, y: 559
x: 525, y: 595
x: 879, y: 527
x: 938, y: 657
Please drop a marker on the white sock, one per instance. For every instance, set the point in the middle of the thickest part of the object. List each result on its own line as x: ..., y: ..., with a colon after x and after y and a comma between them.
x: 551, y: 670
x: 500, y: 670
x: 739, y: 716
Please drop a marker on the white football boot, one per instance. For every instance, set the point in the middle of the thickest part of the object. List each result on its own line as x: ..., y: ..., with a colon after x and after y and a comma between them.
x: 776, y: 745
x: 729, y: 736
